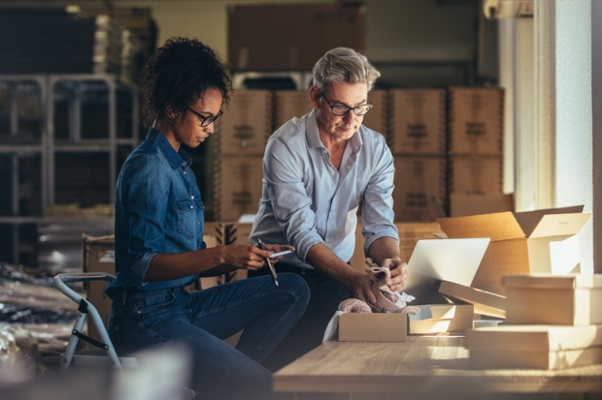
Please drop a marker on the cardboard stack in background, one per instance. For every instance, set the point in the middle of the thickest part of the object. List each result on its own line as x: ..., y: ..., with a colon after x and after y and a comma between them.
x: 475, y: 151
x: 289, y: 104
x: 238, y: 152
x: 417, y: 141
x: 378, y: 118
x: 553, y: 322
x: 311, y: 30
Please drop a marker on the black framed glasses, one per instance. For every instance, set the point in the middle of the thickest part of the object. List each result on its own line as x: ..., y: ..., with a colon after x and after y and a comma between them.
x: 340, y: 109
x: 206, y: 121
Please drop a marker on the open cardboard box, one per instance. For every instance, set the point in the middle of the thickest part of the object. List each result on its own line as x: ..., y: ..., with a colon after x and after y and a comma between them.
x: 373, y: 327
x: 485, y: 303
x: 438, y: 318
x: 521, y: 242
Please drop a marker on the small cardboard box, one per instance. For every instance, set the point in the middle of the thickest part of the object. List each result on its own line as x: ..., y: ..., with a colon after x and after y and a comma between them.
x: 485, y: 303
x: 373, y: 327
x: 475, y: 174
x: 438, y: 318
x: 521, y: 243
x: 534, y: 346
x: 573, y: 299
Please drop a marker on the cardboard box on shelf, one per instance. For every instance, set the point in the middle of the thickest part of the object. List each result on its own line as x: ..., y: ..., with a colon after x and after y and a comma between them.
x: 373, y: 327
x: 238, y: 186
x: 419, y: 188
x: 572, y: 299
x: 484, y: 303
x: 461, y: 205
x: 475, y: 175
x: 546, y: 347
x: 377, y: 118
x: 475, y: 120
x: 247, y: 123
x: 311, y: 30
x: 521, y: 243
x: 289, y: 104
x: 418, y: 121
x: 440, y: 318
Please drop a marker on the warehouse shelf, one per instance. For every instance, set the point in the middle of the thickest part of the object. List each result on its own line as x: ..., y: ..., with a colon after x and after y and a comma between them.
x: 63, y: 138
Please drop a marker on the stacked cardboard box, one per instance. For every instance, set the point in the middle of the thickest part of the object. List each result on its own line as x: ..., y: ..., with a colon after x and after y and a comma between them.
x: 289, y: 104
x: 238, y: 152
x: 417, y: 140
x: 311, y: 30
x: 378, y: 118
x: 553, y: 322
x: 475, y: 152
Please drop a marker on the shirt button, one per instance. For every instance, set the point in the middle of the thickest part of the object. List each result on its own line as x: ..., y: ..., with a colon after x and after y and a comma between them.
x: 184, y: 172
x: 191, y: 197
x: 191, y: 207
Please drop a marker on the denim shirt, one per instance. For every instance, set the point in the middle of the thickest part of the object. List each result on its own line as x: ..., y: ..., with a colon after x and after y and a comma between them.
x: 158, y: 209
x: 306, y: 200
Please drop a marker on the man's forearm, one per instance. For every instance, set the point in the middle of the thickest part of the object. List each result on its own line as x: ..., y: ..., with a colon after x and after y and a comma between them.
x: 383, y: 248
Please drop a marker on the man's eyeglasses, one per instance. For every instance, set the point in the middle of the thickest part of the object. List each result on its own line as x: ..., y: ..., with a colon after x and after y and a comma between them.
x: 206, y: 121
x: 340, y: 110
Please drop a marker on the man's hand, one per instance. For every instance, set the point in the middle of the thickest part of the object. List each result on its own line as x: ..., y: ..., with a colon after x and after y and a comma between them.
x: 399, y: 273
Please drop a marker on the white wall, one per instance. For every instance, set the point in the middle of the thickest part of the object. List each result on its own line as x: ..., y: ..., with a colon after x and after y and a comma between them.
x: 597, y: 130
x: 573, y: 180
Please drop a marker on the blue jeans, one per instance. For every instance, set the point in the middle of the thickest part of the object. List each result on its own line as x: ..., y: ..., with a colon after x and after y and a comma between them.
x: 201, y: 320
x: 326, y: 295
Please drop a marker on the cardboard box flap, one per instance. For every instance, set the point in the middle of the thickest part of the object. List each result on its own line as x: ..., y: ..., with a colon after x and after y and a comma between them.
x: 443, y: 311
x: 550, y: 281
x: 560, y: 226
x: 528, y: 220
x: 497, y: 226
x: 484, y: 302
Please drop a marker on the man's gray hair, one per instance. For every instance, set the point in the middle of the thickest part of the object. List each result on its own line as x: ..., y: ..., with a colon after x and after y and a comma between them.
x: 343, y: 65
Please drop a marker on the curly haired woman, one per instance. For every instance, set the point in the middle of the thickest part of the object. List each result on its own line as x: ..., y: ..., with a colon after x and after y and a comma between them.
x: 159, y: 246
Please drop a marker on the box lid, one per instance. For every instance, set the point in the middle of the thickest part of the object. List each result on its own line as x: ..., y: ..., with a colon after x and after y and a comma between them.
x: 550, y: 281
x: 533, y: 337
x: 497, y: 226
x: 557, y: 223
x: 484, y: 302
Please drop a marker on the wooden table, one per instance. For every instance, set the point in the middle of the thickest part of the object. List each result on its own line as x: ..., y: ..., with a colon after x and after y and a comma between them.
x: 425, y: 368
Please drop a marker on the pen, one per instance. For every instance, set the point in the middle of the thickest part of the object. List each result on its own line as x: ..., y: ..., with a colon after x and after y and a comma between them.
x: 267, y: 260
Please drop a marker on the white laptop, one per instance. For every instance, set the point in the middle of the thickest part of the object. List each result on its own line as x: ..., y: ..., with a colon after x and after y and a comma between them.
x: 434, y: 260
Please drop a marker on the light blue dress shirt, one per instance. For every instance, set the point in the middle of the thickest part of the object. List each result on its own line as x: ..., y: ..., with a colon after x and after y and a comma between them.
x: 306, y: 200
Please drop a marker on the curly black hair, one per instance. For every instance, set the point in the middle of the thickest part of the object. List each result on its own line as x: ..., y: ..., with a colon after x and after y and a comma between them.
x: 177, y: 74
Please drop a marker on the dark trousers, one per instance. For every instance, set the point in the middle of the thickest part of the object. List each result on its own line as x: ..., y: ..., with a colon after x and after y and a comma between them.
x: 326, y: 295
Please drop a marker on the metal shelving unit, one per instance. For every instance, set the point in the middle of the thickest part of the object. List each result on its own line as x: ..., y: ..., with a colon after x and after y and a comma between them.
x: 73, y: 120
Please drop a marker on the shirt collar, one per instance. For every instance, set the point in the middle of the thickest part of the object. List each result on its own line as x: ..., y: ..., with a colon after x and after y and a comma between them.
x: 313, y: 134
x: 179, y: 159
